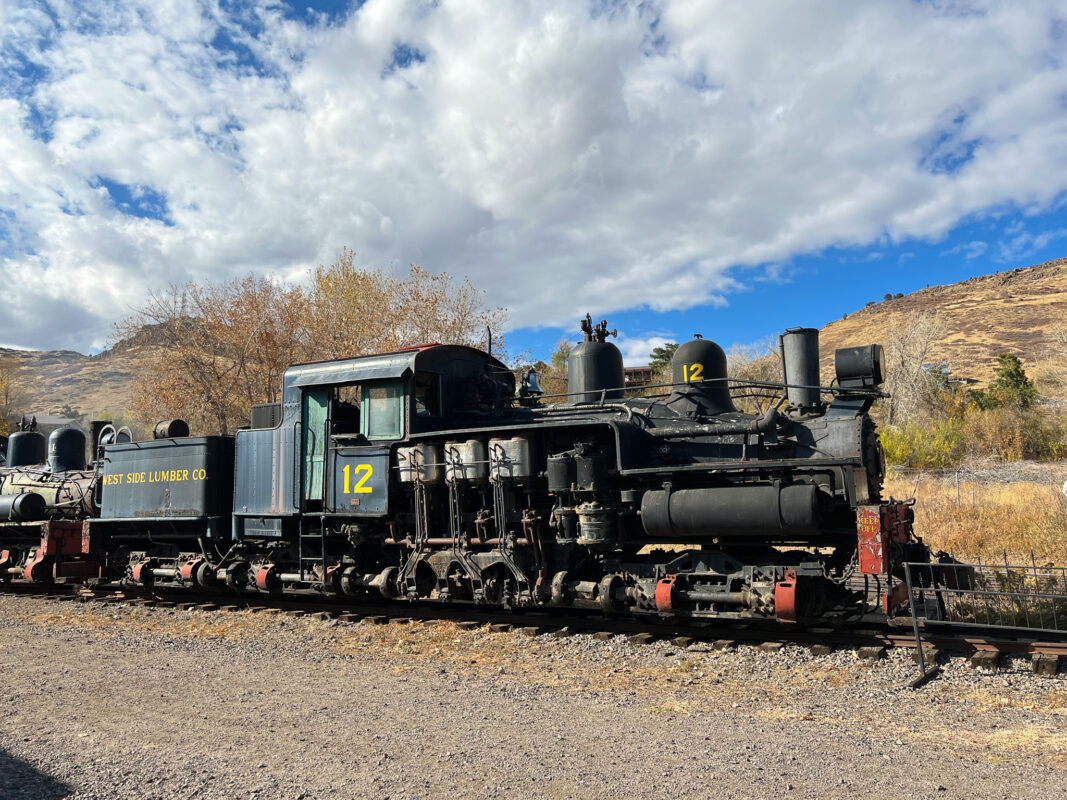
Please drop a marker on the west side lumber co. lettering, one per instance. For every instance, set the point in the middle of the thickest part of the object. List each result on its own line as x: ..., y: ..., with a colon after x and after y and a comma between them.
x: 155, y: 476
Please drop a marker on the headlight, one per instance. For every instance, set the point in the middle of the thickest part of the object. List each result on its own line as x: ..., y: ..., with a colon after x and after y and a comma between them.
x: 860, y: 366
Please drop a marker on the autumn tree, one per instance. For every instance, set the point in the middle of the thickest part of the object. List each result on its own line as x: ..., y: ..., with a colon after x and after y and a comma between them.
x: 351, y: 311
x: 431, y: 308
x: 355, y: 311
x: 220, y: 348
x: 11, y: 390
x: 554, y: 372
x: 223, y: 347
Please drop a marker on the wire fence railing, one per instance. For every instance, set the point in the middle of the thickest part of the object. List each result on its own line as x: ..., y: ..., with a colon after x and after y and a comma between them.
x: 1011, y: 598
x: 996, y: 596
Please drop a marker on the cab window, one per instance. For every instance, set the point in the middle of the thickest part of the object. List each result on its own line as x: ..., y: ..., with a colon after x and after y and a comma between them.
x: 427, y: 394
x: 344, y: 410
x: 381, y: 412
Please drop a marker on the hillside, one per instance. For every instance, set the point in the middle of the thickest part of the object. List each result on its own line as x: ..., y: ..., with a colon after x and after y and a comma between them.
x: 1013, y: 310
x: 88, y: 384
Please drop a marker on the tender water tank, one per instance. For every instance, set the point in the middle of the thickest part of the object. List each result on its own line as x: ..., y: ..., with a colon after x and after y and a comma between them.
x: 26, y: 449
x: 66, y: 450
x: 700, y: 365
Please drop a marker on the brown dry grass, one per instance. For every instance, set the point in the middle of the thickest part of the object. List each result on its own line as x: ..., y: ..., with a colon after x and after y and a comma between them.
x: 1020, y: 518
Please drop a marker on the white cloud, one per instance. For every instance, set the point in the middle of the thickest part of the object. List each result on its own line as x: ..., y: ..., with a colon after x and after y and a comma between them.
x: 635, y: 351
x: 969, y: 250
x: 560, y: 158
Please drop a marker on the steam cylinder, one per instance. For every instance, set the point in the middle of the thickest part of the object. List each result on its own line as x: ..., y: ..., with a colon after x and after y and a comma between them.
x: 66, y: 450
x: 700, y: 366
x: 26, y: 449
x: 800, y: 357
x: 593, y: 367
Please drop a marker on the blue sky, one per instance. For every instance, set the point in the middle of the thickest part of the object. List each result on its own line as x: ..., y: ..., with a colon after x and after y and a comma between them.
x: 676, y: 166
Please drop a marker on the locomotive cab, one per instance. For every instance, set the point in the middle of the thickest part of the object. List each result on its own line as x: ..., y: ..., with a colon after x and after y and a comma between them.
x: 329, y: 449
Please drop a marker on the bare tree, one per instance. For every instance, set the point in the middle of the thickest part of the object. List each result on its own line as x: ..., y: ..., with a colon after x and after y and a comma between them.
x: 1053, y: 369
x: 913, y: 383
x: 758, y: 362
x: 11, y: 389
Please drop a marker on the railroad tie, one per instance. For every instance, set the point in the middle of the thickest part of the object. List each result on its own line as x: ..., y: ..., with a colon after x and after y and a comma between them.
x: 930, y: 655
x: 986, y: 659
x: 871, y: 654
x: 1046, y: 664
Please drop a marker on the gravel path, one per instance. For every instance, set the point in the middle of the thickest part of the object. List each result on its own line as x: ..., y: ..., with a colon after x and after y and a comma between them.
x: 128, y: 702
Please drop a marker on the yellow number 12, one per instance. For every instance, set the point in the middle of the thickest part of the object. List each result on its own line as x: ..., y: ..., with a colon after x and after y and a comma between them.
x: 692, y: 372
x: 359, y: 488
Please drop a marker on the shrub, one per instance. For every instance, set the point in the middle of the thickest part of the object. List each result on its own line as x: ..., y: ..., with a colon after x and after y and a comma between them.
x: 1005, y: 434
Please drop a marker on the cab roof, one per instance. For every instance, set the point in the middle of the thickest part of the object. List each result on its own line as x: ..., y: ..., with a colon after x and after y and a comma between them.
x: 384, y: 366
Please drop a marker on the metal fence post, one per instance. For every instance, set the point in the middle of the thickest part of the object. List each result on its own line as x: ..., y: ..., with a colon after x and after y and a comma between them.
x: 924, y: 676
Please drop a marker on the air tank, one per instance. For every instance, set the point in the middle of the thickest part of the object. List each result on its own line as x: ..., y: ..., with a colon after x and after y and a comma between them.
x: 171, y: 429
x: 800, y: 363
x: 24, y: 507
x: 26, y: 449
x: 66, y: 450
x: 700, y: 365
x: 594, y: 368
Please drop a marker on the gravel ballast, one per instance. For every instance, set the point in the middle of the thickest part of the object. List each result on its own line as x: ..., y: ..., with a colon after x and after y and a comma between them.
x: 105, y: 701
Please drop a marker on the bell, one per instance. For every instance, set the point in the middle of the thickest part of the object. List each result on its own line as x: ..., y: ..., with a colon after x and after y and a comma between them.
x: 532, y: 383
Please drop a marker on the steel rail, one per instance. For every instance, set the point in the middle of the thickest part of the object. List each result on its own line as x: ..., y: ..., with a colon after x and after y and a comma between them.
x: 563, y: 621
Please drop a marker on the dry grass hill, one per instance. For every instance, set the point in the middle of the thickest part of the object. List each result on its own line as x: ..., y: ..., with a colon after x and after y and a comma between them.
x: 90, y: 385
x: 1013, y: 310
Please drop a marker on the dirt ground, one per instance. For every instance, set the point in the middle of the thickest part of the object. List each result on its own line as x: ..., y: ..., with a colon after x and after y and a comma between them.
x: 127, y: 702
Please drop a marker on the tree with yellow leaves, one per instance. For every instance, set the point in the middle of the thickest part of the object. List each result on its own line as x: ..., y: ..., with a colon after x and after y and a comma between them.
x: 223, y: 347
x: 10, y: 390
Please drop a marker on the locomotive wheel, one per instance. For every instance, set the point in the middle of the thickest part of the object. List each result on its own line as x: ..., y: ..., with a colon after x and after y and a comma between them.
x: 389, y: 583
x: 351, y: 583
x: 237, y: 575
x: 40, y: 570
x: 8, y: 559
x: 267, y: 579
x: 609, y: 588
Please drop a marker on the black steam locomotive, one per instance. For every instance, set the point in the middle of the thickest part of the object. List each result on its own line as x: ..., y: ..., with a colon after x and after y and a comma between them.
x: 426, y: 475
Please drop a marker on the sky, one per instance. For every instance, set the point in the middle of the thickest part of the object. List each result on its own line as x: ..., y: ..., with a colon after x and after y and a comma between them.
x: 676, y: 166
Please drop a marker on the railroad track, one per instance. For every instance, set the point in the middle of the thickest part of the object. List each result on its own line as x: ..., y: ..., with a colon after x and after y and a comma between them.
x: 871, y: 639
